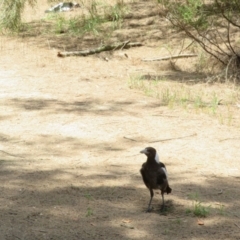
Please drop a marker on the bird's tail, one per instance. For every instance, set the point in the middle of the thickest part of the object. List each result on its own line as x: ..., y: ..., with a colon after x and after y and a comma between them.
x: 168, y: 190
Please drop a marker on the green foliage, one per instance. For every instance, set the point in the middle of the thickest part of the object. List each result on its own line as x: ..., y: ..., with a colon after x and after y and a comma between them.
x: 116, y: 12
x: 74, y: 25
x: 222, y: 210
x: 10, y: 14
x: 88, y: 196
x: 199, y: 210
x: 188, y: 211
x: 177, y: 94
x: 178, y: 221
x: 191, y: 14
x: 199, y: 103
x: 209, y: 23
x: 193, y: 196
x: 92, y: 21
x: 214, y: 103
x: 60, y: 23
x: 89, y: 212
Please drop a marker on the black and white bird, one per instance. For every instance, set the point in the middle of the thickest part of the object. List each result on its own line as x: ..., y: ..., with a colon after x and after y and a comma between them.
x: 154, y: 174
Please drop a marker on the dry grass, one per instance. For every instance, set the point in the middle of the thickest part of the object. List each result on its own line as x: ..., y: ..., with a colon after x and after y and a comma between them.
x: 218, y: 100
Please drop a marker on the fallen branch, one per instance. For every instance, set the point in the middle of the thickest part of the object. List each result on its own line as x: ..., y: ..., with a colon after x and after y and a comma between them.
x: 169, y: 57
x: 126, y: 44
x: 168, y: 139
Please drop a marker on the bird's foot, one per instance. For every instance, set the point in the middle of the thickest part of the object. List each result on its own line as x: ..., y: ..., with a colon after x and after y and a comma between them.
x: 149, y: 209
x: 163, y: 209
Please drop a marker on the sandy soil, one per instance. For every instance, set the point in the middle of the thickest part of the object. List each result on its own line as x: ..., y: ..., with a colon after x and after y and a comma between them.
x: 71, y: 131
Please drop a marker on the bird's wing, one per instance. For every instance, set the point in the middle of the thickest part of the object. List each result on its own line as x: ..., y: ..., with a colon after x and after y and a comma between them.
x: 145, y: 179
x: 161, y: 176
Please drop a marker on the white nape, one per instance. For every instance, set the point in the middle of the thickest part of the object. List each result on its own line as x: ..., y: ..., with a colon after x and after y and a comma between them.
x: 157, y: 158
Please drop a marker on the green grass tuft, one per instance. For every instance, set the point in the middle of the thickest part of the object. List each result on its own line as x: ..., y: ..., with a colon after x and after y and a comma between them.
x: 89, y: 212
x: 199, y: 210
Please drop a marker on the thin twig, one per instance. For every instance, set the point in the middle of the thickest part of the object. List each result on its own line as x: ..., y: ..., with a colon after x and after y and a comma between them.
x: 163, y: 115
x: 225, y: 139
x: 224, y: 15
x: 16, y: 237
x: 189, y: 45
x: 181, y: 50
x: 169, y: 57
x: 130, y: 139
x: 177, y: 217
x: 169, y: 139
x: 11, y: 154
x: 125, y: 43
x: 233, y: 57
x: 236, y: 225
x: 200, y: 42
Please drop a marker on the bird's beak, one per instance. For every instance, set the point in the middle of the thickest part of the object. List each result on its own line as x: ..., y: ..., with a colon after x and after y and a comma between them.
x: 144, y: 151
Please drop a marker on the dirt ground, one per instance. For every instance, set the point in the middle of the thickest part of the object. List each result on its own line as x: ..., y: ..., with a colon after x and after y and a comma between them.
x: 71, y: 131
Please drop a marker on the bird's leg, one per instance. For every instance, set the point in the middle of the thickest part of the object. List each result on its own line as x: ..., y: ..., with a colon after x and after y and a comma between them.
x: 163, y: 203
x: 149, y: 204
x: 149, y: 209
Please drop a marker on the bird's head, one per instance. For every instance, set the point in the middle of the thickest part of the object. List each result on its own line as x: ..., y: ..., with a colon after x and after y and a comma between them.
x: 151, y: 153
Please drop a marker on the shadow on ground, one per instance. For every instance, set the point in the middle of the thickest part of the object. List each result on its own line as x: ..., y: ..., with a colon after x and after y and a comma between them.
x: 39, y: 204
x: 87, y: 106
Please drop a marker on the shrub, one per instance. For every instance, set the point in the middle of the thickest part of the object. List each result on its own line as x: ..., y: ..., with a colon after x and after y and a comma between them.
x: 10, y: 14
x: 212, y: 25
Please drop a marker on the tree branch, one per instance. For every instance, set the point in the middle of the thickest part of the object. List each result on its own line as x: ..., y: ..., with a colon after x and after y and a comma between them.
x: 169, y: 139
x: 126, y: 44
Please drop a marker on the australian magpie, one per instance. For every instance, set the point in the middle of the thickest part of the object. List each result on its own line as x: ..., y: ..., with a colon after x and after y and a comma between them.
x: 154, y: 175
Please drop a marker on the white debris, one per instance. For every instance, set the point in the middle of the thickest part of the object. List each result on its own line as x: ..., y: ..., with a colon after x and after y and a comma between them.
x: 63, y: 7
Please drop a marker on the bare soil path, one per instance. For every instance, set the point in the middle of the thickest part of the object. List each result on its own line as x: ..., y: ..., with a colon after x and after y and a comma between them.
x: 71, y: 131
